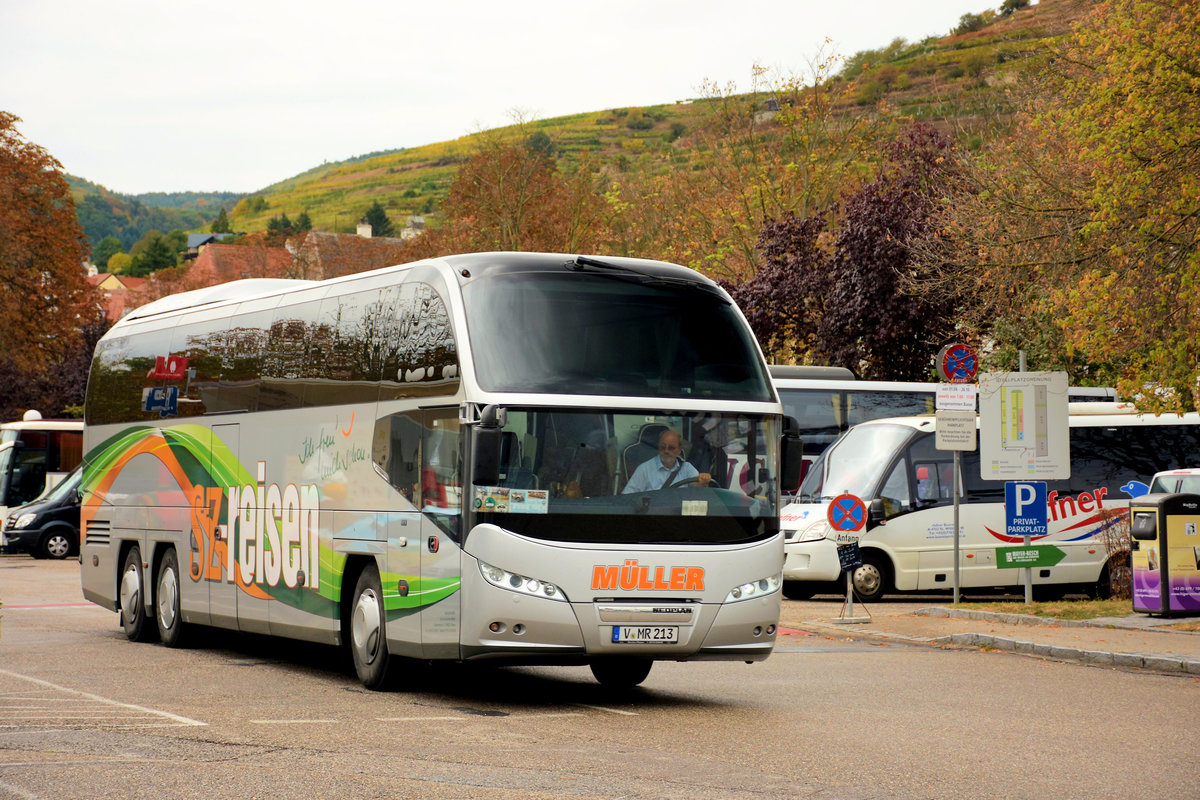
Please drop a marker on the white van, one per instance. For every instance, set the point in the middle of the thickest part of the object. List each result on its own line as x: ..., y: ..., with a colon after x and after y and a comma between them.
x: 893, y: 466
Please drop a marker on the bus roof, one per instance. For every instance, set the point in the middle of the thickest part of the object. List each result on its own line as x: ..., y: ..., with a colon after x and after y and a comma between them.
x: 44, y: 425
x: 1083, y: 414
x: 808, y: 372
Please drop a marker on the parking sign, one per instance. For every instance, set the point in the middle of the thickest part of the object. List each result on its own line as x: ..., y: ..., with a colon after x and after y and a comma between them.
x: 1025, y: 509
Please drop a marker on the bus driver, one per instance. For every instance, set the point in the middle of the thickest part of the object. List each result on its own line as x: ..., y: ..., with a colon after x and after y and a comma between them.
x: 667, y: 469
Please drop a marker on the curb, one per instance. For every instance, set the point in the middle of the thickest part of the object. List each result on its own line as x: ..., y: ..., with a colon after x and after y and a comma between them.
x: 1098, y: 658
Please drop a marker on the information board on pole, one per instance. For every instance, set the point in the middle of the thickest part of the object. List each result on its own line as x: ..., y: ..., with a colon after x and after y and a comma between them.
x: 1023, y: 433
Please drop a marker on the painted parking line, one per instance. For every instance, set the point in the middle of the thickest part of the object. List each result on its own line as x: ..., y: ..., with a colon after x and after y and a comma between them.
x: 51, y: 708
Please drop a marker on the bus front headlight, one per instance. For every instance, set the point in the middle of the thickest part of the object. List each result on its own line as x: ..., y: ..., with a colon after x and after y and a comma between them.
x: 519, y: 583
x: 759, y: 588
x: 24, y: 521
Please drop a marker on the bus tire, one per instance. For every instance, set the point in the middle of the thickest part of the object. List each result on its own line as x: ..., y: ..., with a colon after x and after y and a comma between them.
x: 132, y: 589
x: 56, y: 543
x: 368, y: 632
x: 620, y: 673
x: 171, y: 627
x: 799, y: 590
x: 872, y: 580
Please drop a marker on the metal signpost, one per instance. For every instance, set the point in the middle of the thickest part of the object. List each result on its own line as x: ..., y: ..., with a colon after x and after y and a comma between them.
x: 847, y: 517
x: 1026, y: 515
x: 1024, y: 439
x: 955, y: 414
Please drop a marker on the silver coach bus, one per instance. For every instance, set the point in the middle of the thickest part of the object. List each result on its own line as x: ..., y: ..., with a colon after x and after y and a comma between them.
x: 440, y: 460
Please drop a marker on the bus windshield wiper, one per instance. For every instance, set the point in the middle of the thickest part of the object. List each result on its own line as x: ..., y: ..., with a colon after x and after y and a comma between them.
x: 582, y: 262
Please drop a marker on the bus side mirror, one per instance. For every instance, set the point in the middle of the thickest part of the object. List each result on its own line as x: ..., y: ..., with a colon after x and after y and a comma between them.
x: 485, y: 447
x: 791, y: 449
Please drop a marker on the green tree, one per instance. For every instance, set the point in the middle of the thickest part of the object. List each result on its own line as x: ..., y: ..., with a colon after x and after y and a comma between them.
x: 221, y: 223
x: 42, y: 250
x: 157, y: 253
x: 105, y: 249
x: 380, y: 224
x: 1010, y: 6
x: 303, y: 222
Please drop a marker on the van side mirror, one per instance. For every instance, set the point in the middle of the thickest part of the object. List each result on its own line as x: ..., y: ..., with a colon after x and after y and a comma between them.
x: 876, y: 512
x: 791, y: 449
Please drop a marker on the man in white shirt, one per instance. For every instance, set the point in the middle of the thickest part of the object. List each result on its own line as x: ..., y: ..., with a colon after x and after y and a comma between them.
x: 665, y: 469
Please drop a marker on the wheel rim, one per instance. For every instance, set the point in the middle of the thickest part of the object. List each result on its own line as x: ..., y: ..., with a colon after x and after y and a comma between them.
x: 130, y: 591
x: 365, y: 626
x: 867, y: 580
x: 168, y: 598
x: 58, y: 546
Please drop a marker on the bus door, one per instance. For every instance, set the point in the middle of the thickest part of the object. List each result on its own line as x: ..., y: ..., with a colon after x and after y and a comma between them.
x: 442, y: 481
x: 397, y: 453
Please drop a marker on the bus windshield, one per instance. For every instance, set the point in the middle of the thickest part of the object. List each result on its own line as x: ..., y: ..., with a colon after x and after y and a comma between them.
x: 610, y: 334
x: 585, y: 475
x: 855, y: 463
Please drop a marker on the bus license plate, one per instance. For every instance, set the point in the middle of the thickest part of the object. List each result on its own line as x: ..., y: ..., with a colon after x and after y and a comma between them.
x: 645, y: 634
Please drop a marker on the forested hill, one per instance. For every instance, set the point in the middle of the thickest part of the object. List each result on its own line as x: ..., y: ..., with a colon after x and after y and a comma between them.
x: 956, y: 80
x: 128, y: 217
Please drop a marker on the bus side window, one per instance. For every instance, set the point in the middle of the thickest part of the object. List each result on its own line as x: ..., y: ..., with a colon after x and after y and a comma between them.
x: 396, y: 451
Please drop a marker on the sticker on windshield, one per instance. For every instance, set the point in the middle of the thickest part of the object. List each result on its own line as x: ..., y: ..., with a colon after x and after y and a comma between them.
x: 503, y: 500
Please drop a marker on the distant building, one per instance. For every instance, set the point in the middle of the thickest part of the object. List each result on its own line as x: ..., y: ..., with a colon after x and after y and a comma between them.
x: 115, y: 292
x: 218, y: 263
x: 322, y: 255
x: 364, y: 228
x: 197, y: 241
x: 413, y: 228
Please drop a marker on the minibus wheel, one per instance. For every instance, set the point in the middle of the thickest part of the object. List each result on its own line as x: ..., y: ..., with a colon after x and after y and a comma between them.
x: 620, y: 673
x: 872, y: 578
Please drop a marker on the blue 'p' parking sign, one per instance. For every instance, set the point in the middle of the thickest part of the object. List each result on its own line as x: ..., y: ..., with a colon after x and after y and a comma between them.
x: 1025, y: 508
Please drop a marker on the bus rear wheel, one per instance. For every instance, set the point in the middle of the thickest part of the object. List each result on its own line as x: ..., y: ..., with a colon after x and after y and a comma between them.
x: 133, y: 593
x: 872, y: 578
x: 166, y: 601
x: 368, y: 632
x: 620, y: 673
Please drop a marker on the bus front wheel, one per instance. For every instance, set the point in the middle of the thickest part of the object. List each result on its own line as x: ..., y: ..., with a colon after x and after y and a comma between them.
x: 871, y: 579
x: 133, y: 594
x: 368, y: 634
x: 620, y: 673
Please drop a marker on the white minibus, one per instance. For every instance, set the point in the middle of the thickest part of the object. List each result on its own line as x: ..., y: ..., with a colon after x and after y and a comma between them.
x: 894, y: 467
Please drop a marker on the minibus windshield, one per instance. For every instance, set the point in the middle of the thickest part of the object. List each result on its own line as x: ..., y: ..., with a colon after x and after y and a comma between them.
x: 855, y: 463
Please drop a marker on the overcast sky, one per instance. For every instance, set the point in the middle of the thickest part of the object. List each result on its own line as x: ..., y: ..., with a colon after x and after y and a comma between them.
x: 214, y: 95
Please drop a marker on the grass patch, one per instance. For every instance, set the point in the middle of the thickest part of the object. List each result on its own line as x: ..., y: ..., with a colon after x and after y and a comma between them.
x: 1059, y: 609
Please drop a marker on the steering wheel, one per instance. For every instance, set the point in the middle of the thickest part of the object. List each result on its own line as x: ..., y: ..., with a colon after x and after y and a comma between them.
x: 679, y: 484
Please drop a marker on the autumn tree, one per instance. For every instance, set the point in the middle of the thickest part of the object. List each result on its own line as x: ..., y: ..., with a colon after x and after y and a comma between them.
x: 42, y: 250
x: 782, y: 149
x: 513, y: 196
x: 1089, y: 220
x: 847, y: 297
